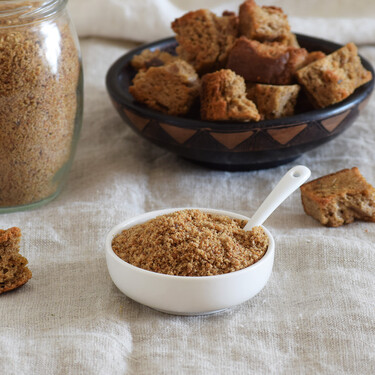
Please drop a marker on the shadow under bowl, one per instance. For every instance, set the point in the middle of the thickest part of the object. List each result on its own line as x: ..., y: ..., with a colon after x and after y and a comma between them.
x: 235, y: 145
x: 187, y: 295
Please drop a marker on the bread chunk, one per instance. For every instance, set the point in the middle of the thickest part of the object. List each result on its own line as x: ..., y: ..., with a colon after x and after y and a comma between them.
x: 273, y: 63
x: 266, y: 23
x: 147, y: 58
x: 205, y: 39
x: 13, y: 270
x: 273, y: 101
x: 290, y: 40
x: 313, y: 56
x: 333, y: 78
x: 223, y: 97
x: 170, y: 88
x: 339, y: 198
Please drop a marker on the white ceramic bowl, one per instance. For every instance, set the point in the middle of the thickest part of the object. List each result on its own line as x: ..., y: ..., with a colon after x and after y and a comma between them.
x: 187, y: 295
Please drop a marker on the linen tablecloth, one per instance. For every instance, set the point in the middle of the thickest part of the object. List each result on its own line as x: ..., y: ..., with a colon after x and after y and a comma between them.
x: 316, y: 315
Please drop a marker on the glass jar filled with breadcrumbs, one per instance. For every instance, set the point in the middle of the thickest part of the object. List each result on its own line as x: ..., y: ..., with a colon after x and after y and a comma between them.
x: 40, y: 101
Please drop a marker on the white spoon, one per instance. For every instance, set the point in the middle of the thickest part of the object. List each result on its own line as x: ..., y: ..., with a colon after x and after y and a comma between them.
x: 292, y: 180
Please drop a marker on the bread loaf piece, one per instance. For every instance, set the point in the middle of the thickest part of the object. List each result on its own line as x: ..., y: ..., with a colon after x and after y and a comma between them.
x: 266, y: 23
x: 147, y: 58
x: 223, y: 97
x: 205, y: 39
x: 13, y: 270
x: 170, y: 88
x: 339, y: 198
x: 271, y: 63
x: 273, y: 101
x: 333, y: 78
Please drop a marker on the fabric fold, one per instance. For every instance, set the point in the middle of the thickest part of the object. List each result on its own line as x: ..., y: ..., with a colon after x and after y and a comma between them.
x: 149, y: 20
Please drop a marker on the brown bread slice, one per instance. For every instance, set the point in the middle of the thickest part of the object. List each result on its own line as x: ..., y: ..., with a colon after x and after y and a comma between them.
x: 205, y: 39
x: 170, y: 88
x: 266, y: 23
x: 147, y: 58
x: 333, y: 78
x: 313, y: 56
x: 272, y: 63
x: 223, y: 97
x: 273, y: 101
x: 339, y: 198
x: 13, y: 270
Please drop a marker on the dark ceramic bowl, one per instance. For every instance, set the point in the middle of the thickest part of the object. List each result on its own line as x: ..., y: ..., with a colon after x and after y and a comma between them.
x: 235, y: 145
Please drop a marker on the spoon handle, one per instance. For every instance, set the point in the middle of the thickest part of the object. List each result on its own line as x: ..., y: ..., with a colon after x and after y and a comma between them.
x: 292, y: 180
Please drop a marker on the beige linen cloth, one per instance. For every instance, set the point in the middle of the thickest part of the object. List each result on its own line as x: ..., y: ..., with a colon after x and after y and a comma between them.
x: 316, y: 315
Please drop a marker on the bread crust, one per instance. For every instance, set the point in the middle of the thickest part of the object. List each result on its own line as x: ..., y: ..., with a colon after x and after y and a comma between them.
x: 271, y: 63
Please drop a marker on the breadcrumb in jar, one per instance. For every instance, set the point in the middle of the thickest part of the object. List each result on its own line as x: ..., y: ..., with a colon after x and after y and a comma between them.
x: 191, y: 243
x: 40, y: 100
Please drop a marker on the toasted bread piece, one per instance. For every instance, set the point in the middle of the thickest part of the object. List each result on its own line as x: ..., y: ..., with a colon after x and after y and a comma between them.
x: 205, y: 39
x: 273, y: 101
x: 339, y: 198
x: 170, y: 88
x: 147, y: 58
x: 223, y: 97
x: 313, y: 56
x: 271, y: 63
x: 266, y: 23
x: 13, y: 270
x: 333, y: 78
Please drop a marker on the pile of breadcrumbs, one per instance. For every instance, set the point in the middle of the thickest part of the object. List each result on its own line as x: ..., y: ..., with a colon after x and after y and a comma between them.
x: 191, y: 243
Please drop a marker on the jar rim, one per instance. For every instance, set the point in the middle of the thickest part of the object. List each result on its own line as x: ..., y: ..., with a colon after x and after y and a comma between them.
x: 20, y: 12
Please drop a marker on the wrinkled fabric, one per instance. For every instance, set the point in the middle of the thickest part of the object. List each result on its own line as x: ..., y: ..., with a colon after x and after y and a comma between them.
x: 148, y: 20
x: 316, y: 315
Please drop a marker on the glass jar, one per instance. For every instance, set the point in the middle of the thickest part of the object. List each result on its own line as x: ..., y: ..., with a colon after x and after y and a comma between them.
x: 41, y: 99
